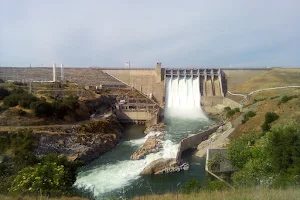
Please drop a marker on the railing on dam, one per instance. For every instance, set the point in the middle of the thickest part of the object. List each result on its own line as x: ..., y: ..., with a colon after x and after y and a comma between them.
x: 194, y: 140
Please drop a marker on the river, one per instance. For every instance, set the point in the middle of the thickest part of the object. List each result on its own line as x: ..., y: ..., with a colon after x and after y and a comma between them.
x: 114, y: 174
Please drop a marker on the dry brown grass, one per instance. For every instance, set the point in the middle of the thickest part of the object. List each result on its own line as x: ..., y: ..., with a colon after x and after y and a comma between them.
x: 240, y: 194
x: 272, y: 78
x: 286, y: 111
x: 39, y: 198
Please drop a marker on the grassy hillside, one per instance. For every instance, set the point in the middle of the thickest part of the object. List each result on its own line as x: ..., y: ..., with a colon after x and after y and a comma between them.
x: 273, y: 78
x: 239, y: 194
x: 264, y: 102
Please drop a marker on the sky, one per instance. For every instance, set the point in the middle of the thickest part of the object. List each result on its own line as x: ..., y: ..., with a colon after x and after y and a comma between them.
x: 177, y: 33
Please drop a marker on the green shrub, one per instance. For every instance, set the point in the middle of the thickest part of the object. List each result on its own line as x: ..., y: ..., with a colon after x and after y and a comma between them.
x: 3, y: 108
x: 42, y: 109
x: 72, y: 102
x: 227, y: 108
x: 215, y: 160
x: 18, y: 90
x: 269, y: 118
x: 21, y: 99
x: 248, y: 115
x: 285, y: 99
x: 216, y: 185
x: 53, y: 176
x: 274, y: 97
x: 60, y: 109
x: 237, y: 110
x: 3, y: 93
x: 192, y: 186
x: 230, y: 113
x: 239, y: 151
x: 21, y: 112
x: 11, y: 100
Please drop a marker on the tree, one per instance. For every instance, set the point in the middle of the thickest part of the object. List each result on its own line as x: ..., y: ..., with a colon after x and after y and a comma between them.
x: 42, y: 109
x: 191, y: 186
x: 269, y: 118
x: 72, y: 102
x: 3, y: 93
x: 239, y: 151
x: 54, y: 176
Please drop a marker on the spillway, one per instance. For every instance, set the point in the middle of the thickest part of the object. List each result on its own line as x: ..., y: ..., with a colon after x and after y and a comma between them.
x: 183, y: 98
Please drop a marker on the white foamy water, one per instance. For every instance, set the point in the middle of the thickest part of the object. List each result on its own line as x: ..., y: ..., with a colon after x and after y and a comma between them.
x: 109, y: 177
x: 183, y: 98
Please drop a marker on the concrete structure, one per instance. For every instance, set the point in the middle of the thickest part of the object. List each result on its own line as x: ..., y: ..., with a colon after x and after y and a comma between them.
x: 222, y: 167
x: 62, y: 73
x: 137, y: 110
x: 193, y: 141
x: 148, y: 81
x: 211, y: 83
x: 54, y: 72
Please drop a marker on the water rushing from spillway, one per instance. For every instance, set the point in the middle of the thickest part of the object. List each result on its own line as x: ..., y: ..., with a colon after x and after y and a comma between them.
x: 115, y: 174
x: 183, y: 98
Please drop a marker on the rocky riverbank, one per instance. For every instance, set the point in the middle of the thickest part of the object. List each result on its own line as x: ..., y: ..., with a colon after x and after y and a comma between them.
x: 85, y: 142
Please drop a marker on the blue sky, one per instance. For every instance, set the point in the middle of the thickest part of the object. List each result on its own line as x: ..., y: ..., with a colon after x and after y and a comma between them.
x: 191, y: 33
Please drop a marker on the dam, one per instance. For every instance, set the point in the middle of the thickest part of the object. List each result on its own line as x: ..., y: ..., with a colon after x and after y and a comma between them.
x: 149, y: 82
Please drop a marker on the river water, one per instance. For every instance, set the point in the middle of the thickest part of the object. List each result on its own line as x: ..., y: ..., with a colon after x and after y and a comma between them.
x: 114, y: 174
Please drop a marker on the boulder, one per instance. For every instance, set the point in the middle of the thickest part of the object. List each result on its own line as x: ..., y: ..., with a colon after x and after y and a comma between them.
x: 163, y: 166
x: 152, y: 145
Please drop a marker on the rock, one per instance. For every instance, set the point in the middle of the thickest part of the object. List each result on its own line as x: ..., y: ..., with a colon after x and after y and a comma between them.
x: 162, y: 166
x: 157, y: 165
x: 151, y: 145
x: 157, y: 128
x: 85, y: 147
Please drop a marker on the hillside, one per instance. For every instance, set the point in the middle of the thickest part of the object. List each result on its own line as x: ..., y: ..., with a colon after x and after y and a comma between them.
x: 274, y: 78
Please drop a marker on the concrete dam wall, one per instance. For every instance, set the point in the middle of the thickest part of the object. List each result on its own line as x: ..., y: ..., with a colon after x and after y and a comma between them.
x: 194, y: 140
x: 211, y: 83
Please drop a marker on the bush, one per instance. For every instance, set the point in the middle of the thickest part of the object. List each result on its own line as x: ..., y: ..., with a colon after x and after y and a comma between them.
x: 22, y: 99
x: 18, y: 90
x: 3, y: 108
x: 230, y: 113
x: 227, y: 108
x: 285, y: 99
x: 21, y: 112
x: 192, y: 186
x: 216, y: 185
x: 248, y: 115
x: 236, y: 110
x: 3, y: 93
x: 239, y: 151
x: 60, y: 109
x: 26, y: 100
x: 11, y: 100
x: 269, y: 118
x: 53, y: 176
x: 42, y: 109
x: 72, y: 102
